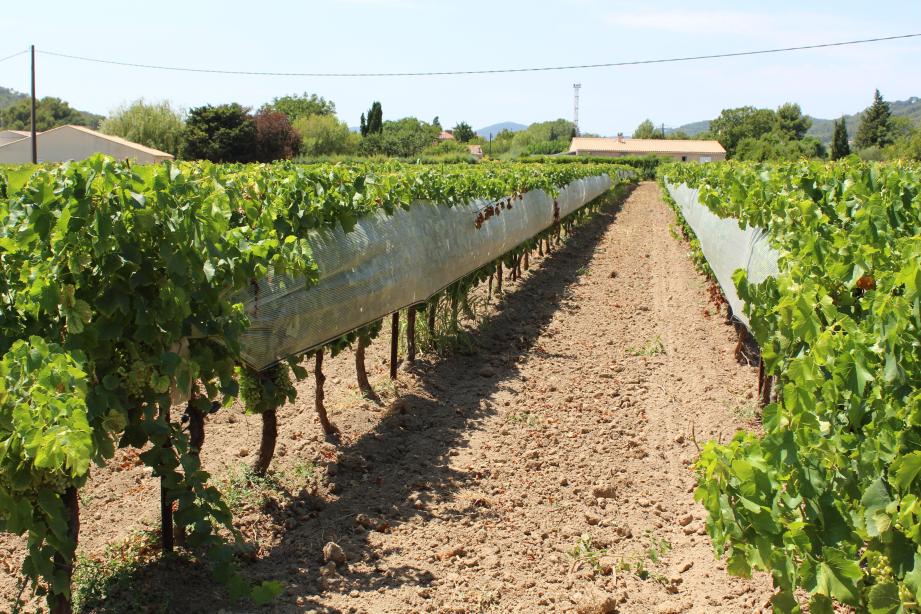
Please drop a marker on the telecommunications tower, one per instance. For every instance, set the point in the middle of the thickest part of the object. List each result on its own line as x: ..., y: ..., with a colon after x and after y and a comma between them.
x: 575, y: 114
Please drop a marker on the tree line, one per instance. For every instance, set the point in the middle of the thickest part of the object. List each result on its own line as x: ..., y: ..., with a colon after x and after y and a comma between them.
x: 749, y: 133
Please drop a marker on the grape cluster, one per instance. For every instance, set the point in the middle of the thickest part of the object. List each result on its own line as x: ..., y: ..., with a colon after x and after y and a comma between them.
x: 879, y: 566
x: 266, y: 390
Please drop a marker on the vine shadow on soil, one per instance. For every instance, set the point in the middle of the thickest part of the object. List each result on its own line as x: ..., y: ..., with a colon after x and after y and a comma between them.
x: 398, y: 469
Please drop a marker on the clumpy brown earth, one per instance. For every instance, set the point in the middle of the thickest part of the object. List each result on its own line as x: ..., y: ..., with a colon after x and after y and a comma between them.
x: 545, y: 470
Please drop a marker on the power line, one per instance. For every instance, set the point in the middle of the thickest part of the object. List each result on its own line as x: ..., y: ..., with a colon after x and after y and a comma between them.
x: 474, y: 72
x: 10, y: 57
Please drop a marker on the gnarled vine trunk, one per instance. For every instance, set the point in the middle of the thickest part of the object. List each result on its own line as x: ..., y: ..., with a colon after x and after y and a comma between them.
x: 361, y: 372
x: 267, y: 443
x: 328, y: 427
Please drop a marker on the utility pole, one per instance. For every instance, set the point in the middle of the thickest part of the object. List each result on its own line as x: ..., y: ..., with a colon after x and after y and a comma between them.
x: 490, y: 144
x: 34, y: 143
x: 575, y: 115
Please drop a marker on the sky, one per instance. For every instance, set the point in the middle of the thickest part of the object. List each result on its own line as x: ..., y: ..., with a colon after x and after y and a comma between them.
x: 423, y: 35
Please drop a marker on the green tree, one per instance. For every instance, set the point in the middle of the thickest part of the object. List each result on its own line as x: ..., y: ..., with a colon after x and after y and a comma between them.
x: 403, y: 138
x: 154, y: 124
x: 908, y: 147
x: 876, y: 125
x: 542, y: 137
x: 775, y: 146
x: 436, y: 122
x: 463, y: 132
x: 646, y: 130
x: 839, y: 145
x: 375, y: 119
x: 324, y: 135
x: 733, y: 125
x: 363, y: 126
x: 791, y: 122
x: 223, y: 133
x: 295, y: 106
x: 50, y: 112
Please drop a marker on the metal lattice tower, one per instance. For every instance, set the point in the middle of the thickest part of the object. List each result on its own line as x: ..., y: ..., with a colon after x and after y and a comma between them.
x: 575, y: 114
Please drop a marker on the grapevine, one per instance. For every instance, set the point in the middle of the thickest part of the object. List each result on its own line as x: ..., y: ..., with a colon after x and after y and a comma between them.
x: 117, y: 288
x: 827, y: 499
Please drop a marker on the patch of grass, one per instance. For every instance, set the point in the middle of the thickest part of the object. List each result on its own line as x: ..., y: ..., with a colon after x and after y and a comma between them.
x: 652, y: 348
x: 585, y: 551
x: 306, y: 471
x: 675, y: 233
x: 524, y: 417
x: 97, y: 578
x: 746, y: 412
x: 242, y: 488
x: 657, y: 549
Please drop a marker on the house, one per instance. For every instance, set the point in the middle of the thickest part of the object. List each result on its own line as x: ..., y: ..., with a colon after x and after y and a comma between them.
x: 75, y: 143
x: 684, y: 150
x: 445, y: 135
x: 476, y: 151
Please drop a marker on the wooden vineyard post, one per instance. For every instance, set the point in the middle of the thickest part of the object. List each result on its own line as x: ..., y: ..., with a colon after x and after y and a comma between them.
x: 328, y: 428
x: 489, y: 291
x: 499, y: 277
x: 394, y: 342
x: 526, y: 263
x: 166, y: 505
x: 62, y: 604
x: 411, y: 334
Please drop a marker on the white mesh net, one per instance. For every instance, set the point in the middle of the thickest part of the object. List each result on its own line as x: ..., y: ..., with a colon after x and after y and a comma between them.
x: 727, y: 246
x: 388, y: 262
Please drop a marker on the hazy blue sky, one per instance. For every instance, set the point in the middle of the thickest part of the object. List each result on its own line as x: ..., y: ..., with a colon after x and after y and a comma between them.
x: 417, y: 35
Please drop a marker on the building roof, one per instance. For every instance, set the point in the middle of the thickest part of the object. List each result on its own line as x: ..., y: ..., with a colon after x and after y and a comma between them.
x: 116, y: 139
x: 445, y: 136
x: 475, y: 150
x: 108, y: 137
x: 645, y: 146
x: 19, y: 132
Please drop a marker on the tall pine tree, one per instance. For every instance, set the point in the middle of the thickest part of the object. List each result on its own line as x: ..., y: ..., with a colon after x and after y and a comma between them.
x: 363, y: 127
x: 876, y: 127
x: 839, y: 145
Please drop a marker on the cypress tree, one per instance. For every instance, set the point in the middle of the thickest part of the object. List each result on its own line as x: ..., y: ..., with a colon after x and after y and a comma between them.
x: 363, y: 127
x: 876, y: 127
x: 375, y: 119
x: 839, y: 144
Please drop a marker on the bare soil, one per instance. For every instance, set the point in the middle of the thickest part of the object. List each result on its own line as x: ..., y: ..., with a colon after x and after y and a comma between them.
x: 472, y: 485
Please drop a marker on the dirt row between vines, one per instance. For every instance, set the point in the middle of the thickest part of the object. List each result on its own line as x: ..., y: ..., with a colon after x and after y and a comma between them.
x: 544, y: 469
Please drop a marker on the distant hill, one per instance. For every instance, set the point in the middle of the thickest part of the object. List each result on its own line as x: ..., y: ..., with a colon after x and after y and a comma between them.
x: 497, y: 128
x: 692, y: 129
x: 9, y: 96
x: 822, y: 128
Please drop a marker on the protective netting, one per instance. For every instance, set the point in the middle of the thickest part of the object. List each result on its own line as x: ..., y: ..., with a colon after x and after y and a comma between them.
x: 727, y: 246
x: 388, y: 262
